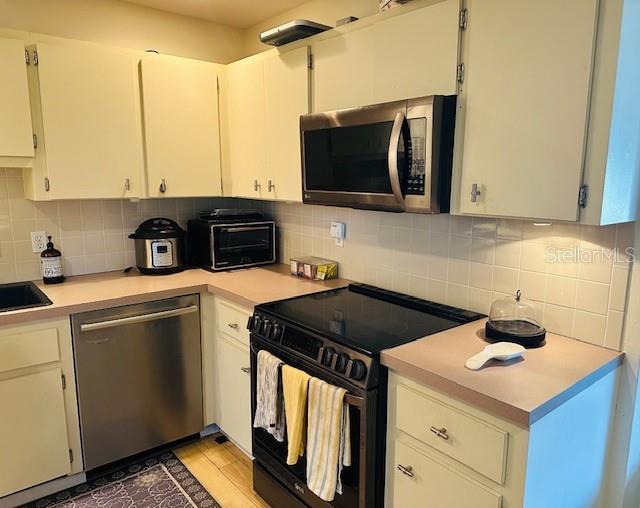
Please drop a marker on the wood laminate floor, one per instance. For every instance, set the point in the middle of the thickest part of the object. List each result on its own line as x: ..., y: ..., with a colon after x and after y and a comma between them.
x: 223, y: 470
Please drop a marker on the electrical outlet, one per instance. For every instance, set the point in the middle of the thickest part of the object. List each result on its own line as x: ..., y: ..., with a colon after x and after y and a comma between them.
x: 38, y: 241
x: 337, y: 231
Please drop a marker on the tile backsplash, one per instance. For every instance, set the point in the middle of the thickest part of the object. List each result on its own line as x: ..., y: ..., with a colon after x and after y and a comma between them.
x: 92, y: 234
x: 578, y: 274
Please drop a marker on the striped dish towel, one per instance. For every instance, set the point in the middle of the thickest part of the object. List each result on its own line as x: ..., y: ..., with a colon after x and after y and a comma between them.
x: 269, y: 404
x: 294, y: 385
x: 328, y: 440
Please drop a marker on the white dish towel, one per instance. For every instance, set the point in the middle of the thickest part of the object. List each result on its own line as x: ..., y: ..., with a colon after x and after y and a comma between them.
x: 269, y: 399
x: 328, y: 439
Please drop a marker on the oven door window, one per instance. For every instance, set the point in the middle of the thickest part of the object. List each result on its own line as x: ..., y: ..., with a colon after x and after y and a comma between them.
x: 353, y: 159
x: 243, y: 245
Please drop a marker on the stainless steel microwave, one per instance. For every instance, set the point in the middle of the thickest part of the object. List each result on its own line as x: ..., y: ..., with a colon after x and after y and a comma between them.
x: 395, y: 156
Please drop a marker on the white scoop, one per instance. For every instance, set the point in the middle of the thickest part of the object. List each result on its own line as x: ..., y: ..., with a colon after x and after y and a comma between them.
x: 502, y: 351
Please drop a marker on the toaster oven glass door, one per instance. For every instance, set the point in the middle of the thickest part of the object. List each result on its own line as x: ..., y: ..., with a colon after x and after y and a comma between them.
x: 243, y: 245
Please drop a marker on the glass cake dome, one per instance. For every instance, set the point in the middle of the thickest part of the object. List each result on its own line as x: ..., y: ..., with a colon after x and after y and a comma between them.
x: 516, y: 319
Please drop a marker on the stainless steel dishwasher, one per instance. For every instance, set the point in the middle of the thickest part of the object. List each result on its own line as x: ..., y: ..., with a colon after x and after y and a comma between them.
x: 139, y: 377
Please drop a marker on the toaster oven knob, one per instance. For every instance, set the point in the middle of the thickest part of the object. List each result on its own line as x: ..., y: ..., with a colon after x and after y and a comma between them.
x: 276, y: 331
x: 327, y: 355
x: 341, y: 362
x: 358, y: 370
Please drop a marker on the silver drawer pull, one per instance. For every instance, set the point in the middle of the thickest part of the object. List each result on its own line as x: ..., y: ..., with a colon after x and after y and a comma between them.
x: 406, y: 470
x: 232, y: 325
x: 440, y: 432
x: 246, y: 370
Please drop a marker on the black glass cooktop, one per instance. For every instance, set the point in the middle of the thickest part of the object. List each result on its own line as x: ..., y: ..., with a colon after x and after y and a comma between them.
x: 368, y: 319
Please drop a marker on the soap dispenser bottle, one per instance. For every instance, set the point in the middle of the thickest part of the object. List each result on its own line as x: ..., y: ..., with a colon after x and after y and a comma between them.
x: 51, y: 264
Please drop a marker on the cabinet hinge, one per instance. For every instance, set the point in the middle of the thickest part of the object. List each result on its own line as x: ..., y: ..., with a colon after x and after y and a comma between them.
x: 582, y: 196
x: 460, y: 73
x: 27, y: 60
x: 70, y: 456
x: 462, y: 19
x: 35, y: 57
x: 35, y: 140
x: 64, y: 382
x: 47, y: 186
x: 310, y: 61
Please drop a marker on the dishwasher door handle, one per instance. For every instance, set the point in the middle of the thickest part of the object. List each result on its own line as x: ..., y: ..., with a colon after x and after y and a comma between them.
x: 141, y: 318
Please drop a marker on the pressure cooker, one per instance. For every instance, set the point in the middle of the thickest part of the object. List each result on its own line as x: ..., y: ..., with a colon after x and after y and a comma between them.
x: 159, y: 247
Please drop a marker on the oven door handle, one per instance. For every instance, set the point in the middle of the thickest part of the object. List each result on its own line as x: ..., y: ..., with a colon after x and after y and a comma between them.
x: 392, y: 158
x: 353, y: 400
x: 241, y: 229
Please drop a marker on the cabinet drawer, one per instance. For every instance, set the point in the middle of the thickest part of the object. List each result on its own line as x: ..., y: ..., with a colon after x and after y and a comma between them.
x: 427, y: 479
x: 475, y: 443
x: 27, y: 349
x: 233, y: 321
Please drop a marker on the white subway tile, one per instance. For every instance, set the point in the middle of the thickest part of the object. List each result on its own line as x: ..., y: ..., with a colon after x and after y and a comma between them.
x: 592, y: 297
x: 590, y: 327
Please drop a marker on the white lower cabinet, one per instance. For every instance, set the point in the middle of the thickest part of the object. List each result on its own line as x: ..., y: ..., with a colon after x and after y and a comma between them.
x: 39, y: 428
x: 232, y: 373
x: 444, y: 453
x: 425, y: 478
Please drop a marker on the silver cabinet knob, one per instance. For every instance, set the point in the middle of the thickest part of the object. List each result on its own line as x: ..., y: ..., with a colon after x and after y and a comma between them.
x: 441, y: 433
x: 475, y: 192
x: 271, y: 186
x: 406, y: 470
x: 232, y: 325
x: 256, y: 185
x: 246, y: 370
x: 163, y: 186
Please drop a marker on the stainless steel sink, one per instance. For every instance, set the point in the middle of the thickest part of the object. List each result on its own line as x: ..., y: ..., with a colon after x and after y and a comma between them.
x: 21, y: 295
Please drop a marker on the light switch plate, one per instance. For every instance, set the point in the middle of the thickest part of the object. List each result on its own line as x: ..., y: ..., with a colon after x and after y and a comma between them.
x: 337, y: 231
x: 38, y: 241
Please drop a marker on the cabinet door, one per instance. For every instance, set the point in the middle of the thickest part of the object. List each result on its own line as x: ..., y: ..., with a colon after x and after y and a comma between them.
x: 286, y: 89
x: 181, y: 129
x: 15, y: 112
x: 417, y: 476
x: 526, y: 106
x: 408, y: 55
x: 233, y: 381
x: 245, y: 121
x: 33, y: 431
x: 90, y: 115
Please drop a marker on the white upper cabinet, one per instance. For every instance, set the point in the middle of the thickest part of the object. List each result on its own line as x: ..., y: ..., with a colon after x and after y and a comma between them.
x: 16, y: 133
x: 523, y: 107
x: 245, y: 159
x: 398, y: 57
x: 86, y: 114
x: 181, y: 126
x: 286, y: 88
x: 265, y: 96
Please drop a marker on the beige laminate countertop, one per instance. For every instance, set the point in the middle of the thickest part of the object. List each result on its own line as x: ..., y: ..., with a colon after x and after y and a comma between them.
x: 522, y: 391
x: 247, y: 287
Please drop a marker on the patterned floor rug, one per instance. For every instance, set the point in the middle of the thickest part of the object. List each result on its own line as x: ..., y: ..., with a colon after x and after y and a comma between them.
x: 162, y: 481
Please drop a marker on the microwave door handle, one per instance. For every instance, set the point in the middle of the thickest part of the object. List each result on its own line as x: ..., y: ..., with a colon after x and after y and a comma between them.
x: 394, y: 145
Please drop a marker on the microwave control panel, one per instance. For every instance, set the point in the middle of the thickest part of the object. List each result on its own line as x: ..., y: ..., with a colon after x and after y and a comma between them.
x: 415, y: 182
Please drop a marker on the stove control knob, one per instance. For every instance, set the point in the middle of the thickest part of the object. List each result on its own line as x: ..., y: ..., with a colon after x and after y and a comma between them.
x: 327, y: 355
x: 266, y: 328
x: 341, y: 362
x: 256, y: 324
x: 276, y: 332
x: 358, y: 370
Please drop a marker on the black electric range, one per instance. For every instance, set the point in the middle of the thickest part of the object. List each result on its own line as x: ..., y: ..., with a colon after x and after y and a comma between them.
x: 337, y: 336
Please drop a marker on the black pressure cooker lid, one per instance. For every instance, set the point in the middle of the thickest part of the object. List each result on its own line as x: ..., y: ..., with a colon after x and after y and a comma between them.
x: 158, y: 228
